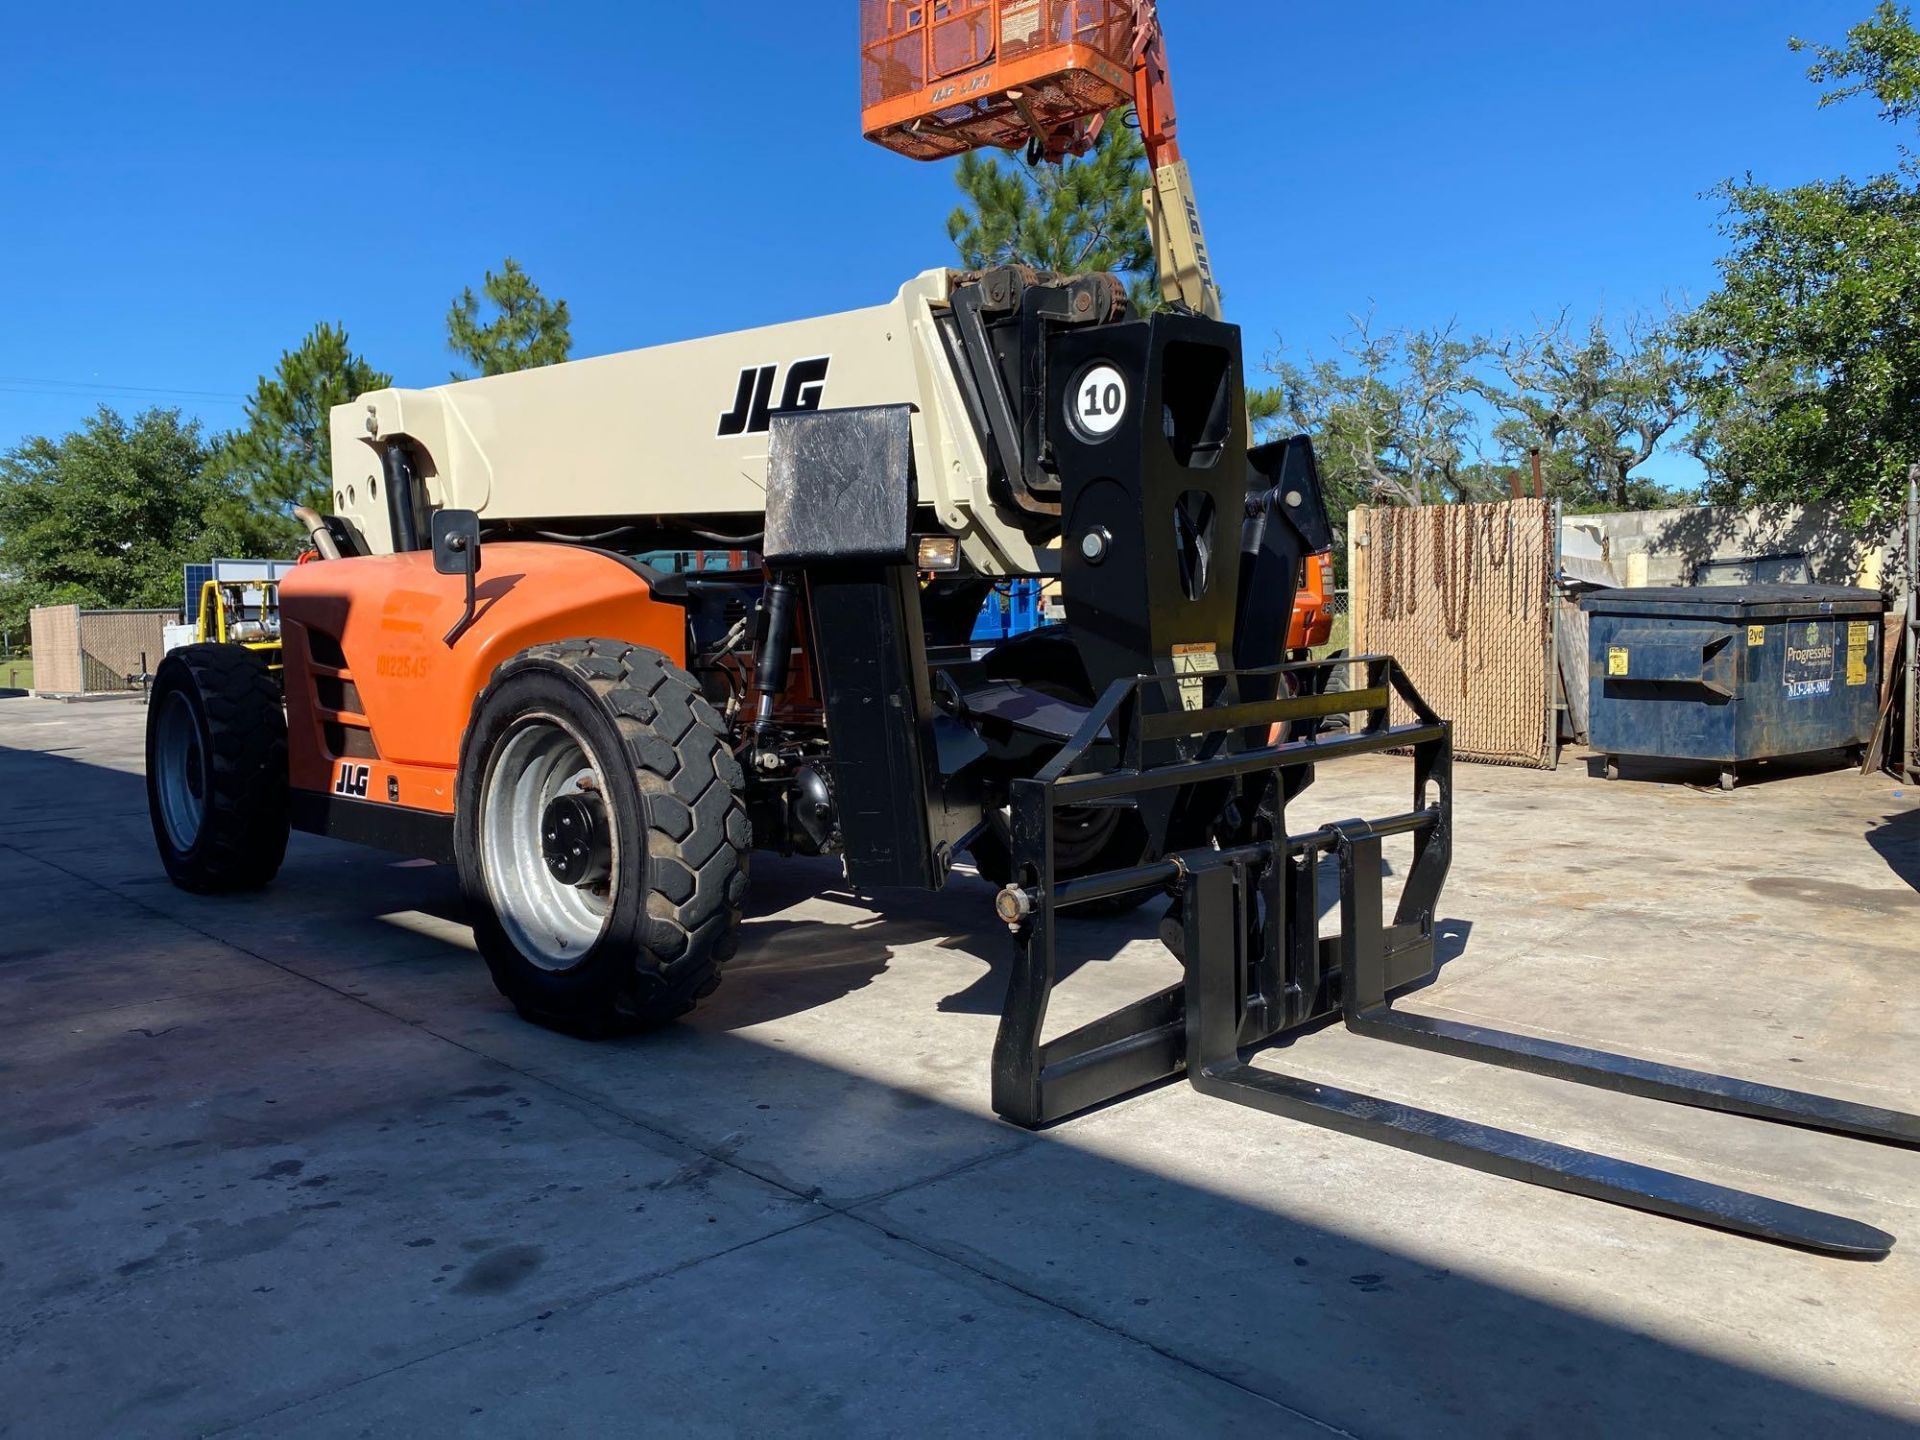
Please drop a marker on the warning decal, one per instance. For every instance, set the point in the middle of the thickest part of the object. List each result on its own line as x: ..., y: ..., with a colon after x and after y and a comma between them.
x: 1617, y: 659
x: 1019, y: 23
x: 1808, y: 668
x: 1193, y: 663
x: 1859, y: 642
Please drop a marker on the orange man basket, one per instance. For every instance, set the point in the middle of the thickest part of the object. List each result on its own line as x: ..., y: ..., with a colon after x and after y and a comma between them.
x: 941, y: 77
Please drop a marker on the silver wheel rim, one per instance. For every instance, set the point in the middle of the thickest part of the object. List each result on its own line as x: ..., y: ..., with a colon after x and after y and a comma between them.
x: 550, y: 922
x: 180, y: 772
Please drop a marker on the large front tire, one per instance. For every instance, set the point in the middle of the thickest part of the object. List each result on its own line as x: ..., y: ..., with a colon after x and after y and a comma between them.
x: 601, y: 836
x: 217, y: 769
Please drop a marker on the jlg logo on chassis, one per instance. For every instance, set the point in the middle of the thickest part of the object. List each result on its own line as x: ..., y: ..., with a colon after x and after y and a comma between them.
x: 753, y: 401
x: 352, y: 781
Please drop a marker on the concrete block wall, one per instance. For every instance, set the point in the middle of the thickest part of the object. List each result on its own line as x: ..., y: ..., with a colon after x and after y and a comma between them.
x: 1667, y: 547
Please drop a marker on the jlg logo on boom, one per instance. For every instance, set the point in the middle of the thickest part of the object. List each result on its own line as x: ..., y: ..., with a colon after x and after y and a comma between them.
x: 753, y: 401
x: 352, y: 781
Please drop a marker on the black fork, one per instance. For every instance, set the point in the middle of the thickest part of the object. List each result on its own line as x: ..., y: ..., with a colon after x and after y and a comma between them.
x: 1256, y: 967
x: 1216, y: 895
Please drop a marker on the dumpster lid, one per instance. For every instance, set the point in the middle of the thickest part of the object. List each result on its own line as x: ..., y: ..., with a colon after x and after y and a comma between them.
x: 1736, y: 602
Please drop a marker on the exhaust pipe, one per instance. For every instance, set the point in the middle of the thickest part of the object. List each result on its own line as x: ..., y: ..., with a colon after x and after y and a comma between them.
x: 317, y: 532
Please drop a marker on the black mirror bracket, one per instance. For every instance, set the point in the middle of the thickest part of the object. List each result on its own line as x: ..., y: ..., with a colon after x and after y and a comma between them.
x: 456, y: 551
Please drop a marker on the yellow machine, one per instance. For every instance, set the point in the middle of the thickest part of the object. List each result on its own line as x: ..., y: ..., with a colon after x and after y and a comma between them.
x: 227, y: 619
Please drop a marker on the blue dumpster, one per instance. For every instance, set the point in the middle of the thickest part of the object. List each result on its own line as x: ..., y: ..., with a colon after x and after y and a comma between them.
x: 1728, y: 675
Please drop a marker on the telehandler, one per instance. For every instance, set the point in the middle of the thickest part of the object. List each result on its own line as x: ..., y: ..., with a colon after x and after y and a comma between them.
x: 489, y: 669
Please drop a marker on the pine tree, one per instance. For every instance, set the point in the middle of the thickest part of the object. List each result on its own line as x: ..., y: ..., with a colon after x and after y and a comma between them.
x: 282, y: 457
x: 524, y: 331
x: 1081, y: 215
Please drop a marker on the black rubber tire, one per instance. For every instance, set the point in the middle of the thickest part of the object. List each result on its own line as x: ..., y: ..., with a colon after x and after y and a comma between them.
x: 1336, y: 681
x: 676, y: 911
x: 238, y: 715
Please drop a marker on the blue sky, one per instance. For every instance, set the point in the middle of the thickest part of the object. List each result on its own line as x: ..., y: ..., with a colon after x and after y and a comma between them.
x: 186, y: 189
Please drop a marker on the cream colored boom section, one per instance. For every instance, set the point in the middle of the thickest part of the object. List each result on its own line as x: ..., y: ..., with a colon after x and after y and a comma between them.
x: 661, y: 433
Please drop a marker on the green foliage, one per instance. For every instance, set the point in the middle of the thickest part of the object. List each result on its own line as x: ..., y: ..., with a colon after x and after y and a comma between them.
x: 1269, y: 415
x: 1084, y: 214
x: 282, y: 457
x: 1811, y: 390
x: 516, y: 328
x: 1814, y: 392
x: 1597, y: 403
x: 1417, y: 417
x: 1881, y: 58
x: 1393, y: 418
x: 109, y: 514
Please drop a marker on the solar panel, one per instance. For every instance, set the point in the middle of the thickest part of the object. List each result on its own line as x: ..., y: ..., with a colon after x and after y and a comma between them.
x: 197, y: 575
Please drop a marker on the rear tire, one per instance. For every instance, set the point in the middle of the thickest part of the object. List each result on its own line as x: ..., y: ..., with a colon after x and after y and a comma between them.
x: 217, y: 769
x: 639, y: 937
x: 1336, y: 679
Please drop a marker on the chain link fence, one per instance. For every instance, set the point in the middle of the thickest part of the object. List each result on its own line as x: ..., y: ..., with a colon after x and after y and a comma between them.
x: 16, y: 660
x: 1462, y: 596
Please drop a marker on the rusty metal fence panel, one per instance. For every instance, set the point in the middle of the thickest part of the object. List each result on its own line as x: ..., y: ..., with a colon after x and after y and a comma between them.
x: 1463, y: 596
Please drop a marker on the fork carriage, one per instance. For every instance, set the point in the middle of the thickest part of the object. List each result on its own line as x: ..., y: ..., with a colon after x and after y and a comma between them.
x: 1246, y: 927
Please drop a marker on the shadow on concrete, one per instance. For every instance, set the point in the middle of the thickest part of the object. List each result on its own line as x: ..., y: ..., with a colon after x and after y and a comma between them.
x: 1705, y: 774
x: 1345, y: 1332
x: 1896, y: 840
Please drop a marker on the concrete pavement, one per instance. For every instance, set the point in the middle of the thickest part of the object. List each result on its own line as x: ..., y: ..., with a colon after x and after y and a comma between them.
x: 286, y: 1164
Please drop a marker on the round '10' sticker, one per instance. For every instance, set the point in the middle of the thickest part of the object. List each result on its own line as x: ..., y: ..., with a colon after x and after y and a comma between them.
x: 1098, y: 402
